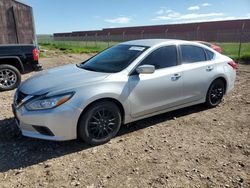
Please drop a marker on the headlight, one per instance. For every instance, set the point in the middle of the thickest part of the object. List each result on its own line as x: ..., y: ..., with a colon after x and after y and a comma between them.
x: 46, y: 103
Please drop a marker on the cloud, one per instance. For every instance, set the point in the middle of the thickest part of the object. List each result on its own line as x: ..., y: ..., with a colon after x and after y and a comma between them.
x: 205, y: 20
x: 206, y: 5
x: 175, y: 16
x: 248, y: 15
x: 163, y: 10
x: 171, y: 15
x: 196, y: 7
x: 209, y: 19
x: 119, y: 20
x: 215, y: 19
x: 194, y: 16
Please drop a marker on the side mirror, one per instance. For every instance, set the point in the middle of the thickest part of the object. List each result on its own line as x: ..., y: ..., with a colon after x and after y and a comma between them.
x: 145, y: 69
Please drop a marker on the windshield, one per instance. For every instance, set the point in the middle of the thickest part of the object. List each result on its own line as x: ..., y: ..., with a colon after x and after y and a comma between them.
x: 114, y: 59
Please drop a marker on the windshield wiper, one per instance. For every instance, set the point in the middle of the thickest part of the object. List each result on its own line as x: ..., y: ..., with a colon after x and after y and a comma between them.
x: 88, y: 68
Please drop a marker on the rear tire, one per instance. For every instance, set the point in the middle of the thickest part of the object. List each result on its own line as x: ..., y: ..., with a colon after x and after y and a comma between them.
x: 215, y: 93
x: 10, y: 77
x: 100, y: 123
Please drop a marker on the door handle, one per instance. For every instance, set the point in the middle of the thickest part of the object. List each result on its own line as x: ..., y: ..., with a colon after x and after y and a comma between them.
x: 210, y: 68
x: 175, y: 77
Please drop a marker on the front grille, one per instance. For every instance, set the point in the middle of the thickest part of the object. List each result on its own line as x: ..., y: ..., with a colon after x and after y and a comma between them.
x: 19, y: 97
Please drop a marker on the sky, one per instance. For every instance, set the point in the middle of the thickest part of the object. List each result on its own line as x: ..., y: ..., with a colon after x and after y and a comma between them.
x: 52, y: 16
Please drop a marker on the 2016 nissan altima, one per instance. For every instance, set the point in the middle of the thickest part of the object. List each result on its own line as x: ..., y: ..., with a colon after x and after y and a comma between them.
x: 125, y: 83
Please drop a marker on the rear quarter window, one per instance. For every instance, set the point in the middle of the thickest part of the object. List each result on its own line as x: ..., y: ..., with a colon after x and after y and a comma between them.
x: 210, y: 55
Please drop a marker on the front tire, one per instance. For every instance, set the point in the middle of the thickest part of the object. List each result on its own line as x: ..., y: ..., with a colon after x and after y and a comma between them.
x: 10, y: 77
x: 100, y: 123
x: 215, y: 93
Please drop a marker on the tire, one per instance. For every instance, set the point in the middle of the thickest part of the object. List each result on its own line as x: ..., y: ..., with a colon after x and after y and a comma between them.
x: 100, y: 123
x: 215, y: 93
x: 10, y: 77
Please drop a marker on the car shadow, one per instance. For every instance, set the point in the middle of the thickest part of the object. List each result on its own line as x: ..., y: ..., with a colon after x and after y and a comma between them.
x: 17, y: 151
x: 151, y: 121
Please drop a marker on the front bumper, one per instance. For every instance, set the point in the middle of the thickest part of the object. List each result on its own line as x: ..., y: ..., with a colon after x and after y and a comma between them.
x: 60, y: 122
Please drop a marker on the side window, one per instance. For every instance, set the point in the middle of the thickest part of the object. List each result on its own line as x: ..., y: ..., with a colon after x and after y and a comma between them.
x: 192, y: 54
x: 210, y: 55
x: 162, y: 57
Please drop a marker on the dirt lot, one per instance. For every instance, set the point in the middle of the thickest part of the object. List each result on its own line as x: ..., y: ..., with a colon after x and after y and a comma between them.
x: 192, y: 147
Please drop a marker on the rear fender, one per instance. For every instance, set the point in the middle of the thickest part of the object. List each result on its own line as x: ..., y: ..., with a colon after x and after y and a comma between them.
x: 19, y: 66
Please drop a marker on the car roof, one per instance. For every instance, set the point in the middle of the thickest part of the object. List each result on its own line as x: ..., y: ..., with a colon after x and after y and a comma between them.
x: 153, y: 42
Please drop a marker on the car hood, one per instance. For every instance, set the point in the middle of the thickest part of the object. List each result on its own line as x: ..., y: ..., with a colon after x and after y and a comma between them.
x: 60, y: 78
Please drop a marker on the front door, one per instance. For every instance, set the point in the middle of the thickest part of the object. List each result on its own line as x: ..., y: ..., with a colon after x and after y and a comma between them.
x: 160, y: 90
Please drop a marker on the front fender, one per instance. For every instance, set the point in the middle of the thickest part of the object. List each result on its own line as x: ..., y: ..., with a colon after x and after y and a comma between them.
x: 116, y: 90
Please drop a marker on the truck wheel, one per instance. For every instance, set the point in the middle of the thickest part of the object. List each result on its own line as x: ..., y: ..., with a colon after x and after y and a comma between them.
x: 10, y: 77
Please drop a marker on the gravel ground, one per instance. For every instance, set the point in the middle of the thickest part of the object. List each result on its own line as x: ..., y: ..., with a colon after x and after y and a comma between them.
x: 192, y: 147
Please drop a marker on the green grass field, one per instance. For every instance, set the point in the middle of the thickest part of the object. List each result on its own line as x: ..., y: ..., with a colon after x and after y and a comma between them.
x: 76, y: 47
x: 229, y: 49
x: 232, y: 49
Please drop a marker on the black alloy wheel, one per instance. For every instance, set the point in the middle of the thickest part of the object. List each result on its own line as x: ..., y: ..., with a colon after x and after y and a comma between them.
x: 100, y: 123
x: 215, y: 93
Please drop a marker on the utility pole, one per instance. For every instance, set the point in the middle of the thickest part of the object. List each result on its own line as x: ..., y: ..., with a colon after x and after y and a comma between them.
x: 95, y: 39
x: 123, y: 36
x: 86, y: 35
x: 241, y: 33
x: 108, y: 38
x: 197, y: 32
x: 142, y: 32
x: 166, y: 33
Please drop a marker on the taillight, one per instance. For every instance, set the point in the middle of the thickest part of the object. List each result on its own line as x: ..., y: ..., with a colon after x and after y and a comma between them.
x: 35, y: 53
x: 232, y: 64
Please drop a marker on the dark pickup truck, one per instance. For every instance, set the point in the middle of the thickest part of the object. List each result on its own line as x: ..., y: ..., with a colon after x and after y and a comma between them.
x: 14, y: 61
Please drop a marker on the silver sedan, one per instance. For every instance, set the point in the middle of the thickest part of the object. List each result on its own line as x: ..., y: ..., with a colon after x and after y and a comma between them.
x: 122, y: 84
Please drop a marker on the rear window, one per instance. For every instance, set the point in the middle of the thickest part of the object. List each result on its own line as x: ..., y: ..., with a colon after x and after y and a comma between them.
x: 192, y: 54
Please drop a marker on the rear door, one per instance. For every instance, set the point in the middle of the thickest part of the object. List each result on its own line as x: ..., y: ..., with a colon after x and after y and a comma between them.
x: 151, y: 93
x: 198, y: 70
